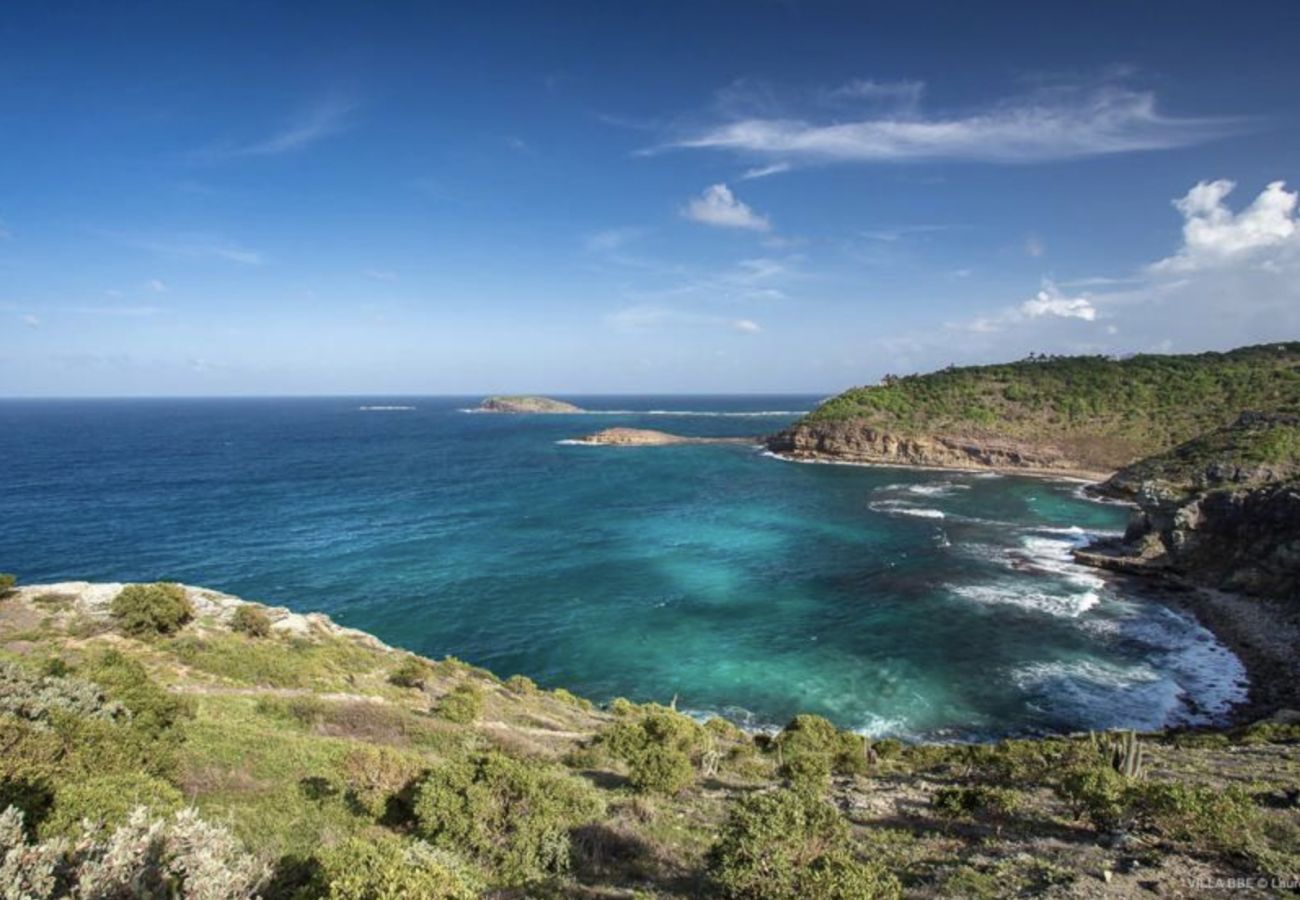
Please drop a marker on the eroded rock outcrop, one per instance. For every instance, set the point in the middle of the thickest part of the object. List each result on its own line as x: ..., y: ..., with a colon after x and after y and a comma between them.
x: 854, y: 440
x: 646, y: 437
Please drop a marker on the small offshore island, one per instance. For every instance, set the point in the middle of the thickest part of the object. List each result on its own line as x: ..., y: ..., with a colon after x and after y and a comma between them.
x: 523, y: 403
x: 645, y: 437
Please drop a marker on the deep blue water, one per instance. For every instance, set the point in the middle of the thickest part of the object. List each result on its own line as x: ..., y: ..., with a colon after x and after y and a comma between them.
x: 914, y: 603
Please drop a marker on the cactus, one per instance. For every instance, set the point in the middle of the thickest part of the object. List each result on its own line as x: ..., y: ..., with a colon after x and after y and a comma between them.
x: 1127, y: 756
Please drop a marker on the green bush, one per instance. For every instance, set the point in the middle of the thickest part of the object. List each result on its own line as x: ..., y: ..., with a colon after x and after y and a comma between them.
x: 462, y: 705
x: 622, y: 707
x: 789, y: 845
x: 412, y: 672
x: 1097, y: 793
x: 512, y: 816
x: 7, y: 583
x: 521, y: 684
x: 107, y: 800
x: 658, y: 744
x: 976, y: 801
x: 383, y: 869
x: 251, y: 620
x: 148, y: 609
x: 810, y: 748
x: 1208, y: 819
x: 154, y: 709
x: 380, y: 779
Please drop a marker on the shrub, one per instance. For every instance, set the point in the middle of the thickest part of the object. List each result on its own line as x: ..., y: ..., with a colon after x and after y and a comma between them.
x: 251, y: 620
x: 148, y: 609
x: 788, y: 845
x: 968, y: 802
x: 107, y: 801
x: 1097, y: 793
x: 154, y: 709
x: 37, y: 698
x: 380, y: 780
x: 721, y: 728
x: 384, y: 869
x: 181, y: 857
x: 512, y: 816
x: 7, y: 583
x: 658, y: 745
x: 462, y: 705
x: 411, y: 672
x: 811, y: 748
x: 623, y: 707
x: 572, y: 699
x: 1207, y: 819
x: 521, y: 684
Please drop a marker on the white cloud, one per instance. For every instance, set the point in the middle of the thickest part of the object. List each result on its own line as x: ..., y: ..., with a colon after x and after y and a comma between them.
x: 1051, y: 302
x: 1034, y: 246
x: 156, y: 285
x: 324, y: 119
x: 31, y: 321
x: 1049, y: 125
x: 1215, y: 236
x: 904, y: 94
x: 641, y: 318
x: 775, y: 168
x: 719, y: 207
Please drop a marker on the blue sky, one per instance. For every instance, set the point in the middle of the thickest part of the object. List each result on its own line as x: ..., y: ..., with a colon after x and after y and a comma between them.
x: 259, y: 198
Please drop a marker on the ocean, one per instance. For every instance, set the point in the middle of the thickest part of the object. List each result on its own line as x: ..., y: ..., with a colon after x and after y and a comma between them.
x: 918, y: 604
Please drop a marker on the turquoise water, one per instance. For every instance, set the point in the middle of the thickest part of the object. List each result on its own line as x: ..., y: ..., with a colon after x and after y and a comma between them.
x: 892, y: 601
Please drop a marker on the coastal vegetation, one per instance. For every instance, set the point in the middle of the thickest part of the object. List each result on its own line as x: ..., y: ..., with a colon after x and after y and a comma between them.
x: 1090, y: 412
x: 206, y: 759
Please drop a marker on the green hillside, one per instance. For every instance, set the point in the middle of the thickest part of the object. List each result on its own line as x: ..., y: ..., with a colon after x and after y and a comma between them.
x: 1256, y: 449
x: 1108, y: 410
x: 161, y: 741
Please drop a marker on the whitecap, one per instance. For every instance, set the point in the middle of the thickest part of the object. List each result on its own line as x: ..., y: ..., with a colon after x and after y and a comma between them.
x: 899, y: 507
x: 1065, y: 605
x: 384, y: 408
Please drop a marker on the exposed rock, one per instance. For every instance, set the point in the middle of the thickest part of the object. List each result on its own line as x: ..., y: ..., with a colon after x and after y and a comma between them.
x: 526, y: 404
x: 854, y: 440
x: 95, y: 599
x: 642, y: 437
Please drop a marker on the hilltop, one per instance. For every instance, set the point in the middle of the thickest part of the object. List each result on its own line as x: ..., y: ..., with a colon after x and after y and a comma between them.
x: 228, y: 749
x: 526, y: 404
x: 1088, y: 414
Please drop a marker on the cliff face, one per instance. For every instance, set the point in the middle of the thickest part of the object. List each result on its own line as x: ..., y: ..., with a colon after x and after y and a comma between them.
x: 854, y: 440
x: 1222, y: 510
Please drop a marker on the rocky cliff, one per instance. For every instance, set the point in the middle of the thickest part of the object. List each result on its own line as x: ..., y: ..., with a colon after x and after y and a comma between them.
x: 856, y: 440
x: 1222, y: 510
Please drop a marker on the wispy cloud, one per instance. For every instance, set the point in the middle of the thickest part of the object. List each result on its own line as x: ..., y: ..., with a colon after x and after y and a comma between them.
x: 156, y: 285
x: 323, y: 119
x: 719, y: 207
x: 609, y: 240
x: 381, y: 274
x: 192, y: 245
x: 764, y: 171
x: 31, y: 321
x: 641, y: 318
x: 4, y: 231
x: 1050, y: 124
x: 903, y: 94
x: 129, y: 312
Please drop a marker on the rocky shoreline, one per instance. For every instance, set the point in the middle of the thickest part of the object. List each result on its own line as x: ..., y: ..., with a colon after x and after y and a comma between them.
x: 855, y: 442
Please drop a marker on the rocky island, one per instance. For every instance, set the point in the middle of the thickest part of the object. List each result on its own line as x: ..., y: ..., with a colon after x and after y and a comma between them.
x: 523, y: 403
x: 645, y: 437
